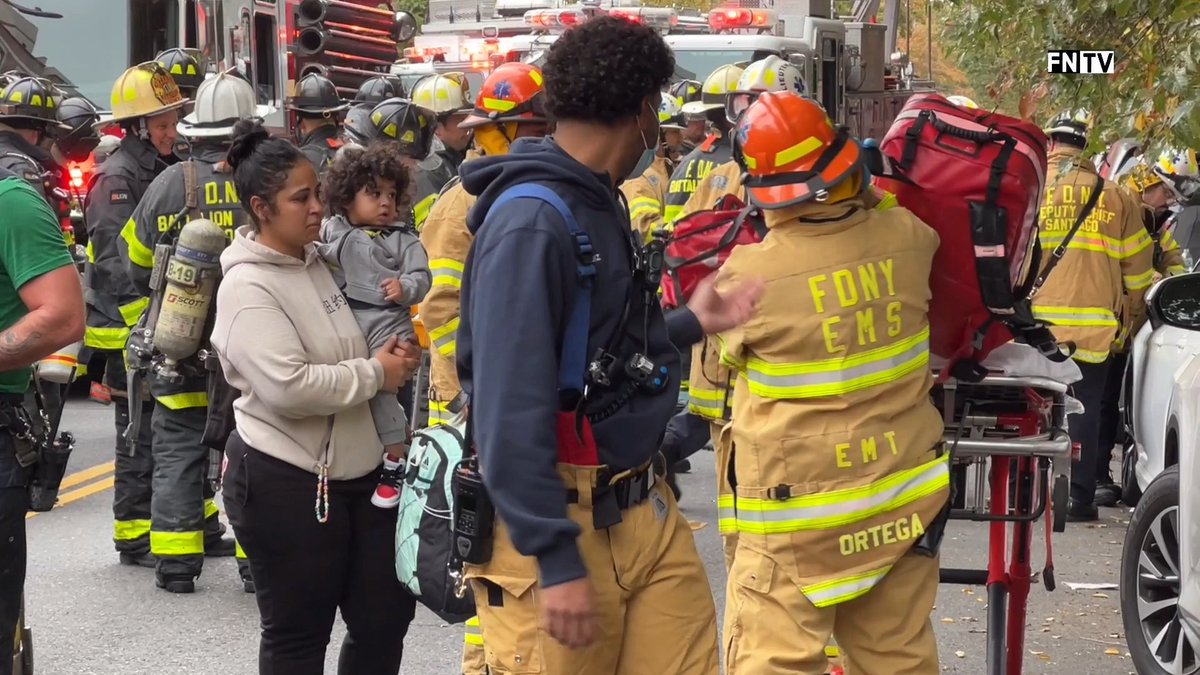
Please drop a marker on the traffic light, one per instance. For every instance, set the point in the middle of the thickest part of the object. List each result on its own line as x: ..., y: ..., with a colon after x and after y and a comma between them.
x: 348, y: 41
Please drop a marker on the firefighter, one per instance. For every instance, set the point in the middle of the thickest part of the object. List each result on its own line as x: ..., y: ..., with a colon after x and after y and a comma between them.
x: 146, y: 104
x: 1113, y: 254
x: 1159, y: 189
x: 646, y: 192
x: 716, y: 147
x: 449, y: 97
x: 356, y: 127
x: 179, y: 535
x: 695, y: 125
x: 836, y: 445
x: 185, y: 68
x: 76, y: 145
x: 28, y: 119
x: 317, y: 107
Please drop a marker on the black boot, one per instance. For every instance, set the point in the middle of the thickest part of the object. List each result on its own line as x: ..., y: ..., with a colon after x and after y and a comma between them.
x: 219, y: 548
x: 145, y: 559
x: 1078, y: 512
x: 174, y: 583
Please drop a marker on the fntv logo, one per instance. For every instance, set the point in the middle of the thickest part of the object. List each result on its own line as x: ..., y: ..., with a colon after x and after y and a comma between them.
x: 1081, y: 62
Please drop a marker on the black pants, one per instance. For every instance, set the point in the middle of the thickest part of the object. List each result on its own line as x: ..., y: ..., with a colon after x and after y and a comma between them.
x: 1085, y: 430
x: 686, y: 433
x: 1112, y: 424
x: 14, y: 503
x: 304, y: 571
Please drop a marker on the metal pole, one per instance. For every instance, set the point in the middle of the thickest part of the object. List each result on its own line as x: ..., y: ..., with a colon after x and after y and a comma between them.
x: 908, y: 31
x: 929, y: 26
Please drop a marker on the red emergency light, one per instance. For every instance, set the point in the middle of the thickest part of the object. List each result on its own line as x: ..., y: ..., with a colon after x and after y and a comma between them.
x: 734, y: 18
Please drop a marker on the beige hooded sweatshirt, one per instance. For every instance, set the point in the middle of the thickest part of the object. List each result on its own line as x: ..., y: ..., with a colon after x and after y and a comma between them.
x: 290, y: 344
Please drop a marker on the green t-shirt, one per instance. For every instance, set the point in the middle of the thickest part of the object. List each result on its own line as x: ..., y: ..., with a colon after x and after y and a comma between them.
x: 31, y: 244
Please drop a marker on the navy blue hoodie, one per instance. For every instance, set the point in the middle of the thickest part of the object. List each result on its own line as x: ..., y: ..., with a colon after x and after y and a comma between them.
x: 518, y: 285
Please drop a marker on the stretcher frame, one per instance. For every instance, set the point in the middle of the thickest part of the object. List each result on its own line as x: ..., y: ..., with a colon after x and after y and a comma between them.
x: 1010, y: 459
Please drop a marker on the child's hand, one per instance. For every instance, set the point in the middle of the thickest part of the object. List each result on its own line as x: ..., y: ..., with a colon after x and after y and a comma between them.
x: 392, y: 290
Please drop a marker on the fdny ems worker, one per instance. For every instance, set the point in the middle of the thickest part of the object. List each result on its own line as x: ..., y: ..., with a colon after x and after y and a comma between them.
x: 593, y: 569
x: 645, y: 193
x: 494, y: 124
x: 317, y: 107
x: 185, y: 68
x: 146, y: 103
x: 28, y: 118
x: 410, y: 127
x: 713, y: 151
x: 836, y: 445
x: 179, y: 510
x: 449, y: 96
x: 1095, y: 296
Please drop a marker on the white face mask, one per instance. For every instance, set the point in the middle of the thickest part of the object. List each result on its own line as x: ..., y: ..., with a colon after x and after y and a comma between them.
x: 648, y: 155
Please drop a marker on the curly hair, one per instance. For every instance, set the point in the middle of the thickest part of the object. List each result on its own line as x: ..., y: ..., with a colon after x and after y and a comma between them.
x: 355, y: 167
x: 602, y: 70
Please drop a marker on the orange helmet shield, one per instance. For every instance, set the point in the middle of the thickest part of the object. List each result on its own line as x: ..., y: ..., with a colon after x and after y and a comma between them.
x: 791, y: 151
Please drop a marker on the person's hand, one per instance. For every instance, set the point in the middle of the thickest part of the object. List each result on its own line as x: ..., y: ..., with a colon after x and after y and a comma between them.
x: 392, y: 290
x: 718, y: 312
x: 400, y: 360
x: 568, y: 614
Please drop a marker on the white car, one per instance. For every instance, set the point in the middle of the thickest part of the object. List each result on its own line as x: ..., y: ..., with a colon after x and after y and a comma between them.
x: 1160, y: 349
x: 1160, y: 562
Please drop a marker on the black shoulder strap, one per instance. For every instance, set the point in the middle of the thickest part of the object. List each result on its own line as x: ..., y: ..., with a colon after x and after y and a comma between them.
x: 189, y: 189
x: 1061, y: 249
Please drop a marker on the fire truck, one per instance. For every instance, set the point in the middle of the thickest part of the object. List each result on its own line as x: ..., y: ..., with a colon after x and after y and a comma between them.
x: 848, y: 65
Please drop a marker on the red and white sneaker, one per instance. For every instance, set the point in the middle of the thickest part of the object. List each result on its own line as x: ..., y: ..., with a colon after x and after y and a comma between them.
x: 387, y: 493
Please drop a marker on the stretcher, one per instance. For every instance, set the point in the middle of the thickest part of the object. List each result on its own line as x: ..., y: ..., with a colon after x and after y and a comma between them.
x: 1010, y: 460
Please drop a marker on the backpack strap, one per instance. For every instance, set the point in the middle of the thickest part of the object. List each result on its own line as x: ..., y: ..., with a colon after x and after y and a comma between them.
x: 189, y: 189
x: 573, y: 365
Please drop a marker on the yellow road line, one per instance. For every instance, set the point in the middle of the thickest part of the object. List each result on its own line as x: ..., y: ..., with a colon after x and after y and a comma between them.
x: 87, y: 474
x: 85, y: 491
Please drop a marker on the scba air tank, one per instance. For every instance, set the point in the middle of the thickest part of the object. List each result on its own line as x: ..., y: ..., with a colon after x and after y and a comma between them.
x: 191, y: 280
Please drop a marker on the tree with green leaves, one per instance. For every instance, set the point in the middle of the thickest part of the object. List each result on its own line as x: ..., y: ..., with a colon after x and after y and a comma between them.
x: 1002, y: 44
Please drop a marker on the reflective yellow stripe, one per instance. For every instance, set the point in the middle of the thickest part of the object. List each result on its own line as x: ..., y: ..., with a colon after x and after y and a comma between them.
x: 831, y: 377
x: 421, y: 210
x: 838, y: 508
x: 1076, y: 316
x: 210, y: 509
x: 238, y: 552
x: 91, y: 254
x: 644, y: 206
x: 131, y: 312
x: 196, y: 399
x: 888, y: 201
x: 443, y: 337
x: 107, y: 339
x: 726, y: 514
x: 439, y: 413
x: 804, y: 147
x: 1089, y: 356
x: 1136, y: 282
x: 832, y: 651
x: 841, y: 590
x: 473, y: 635
x: 177, y: 543
x: 130, y: 530
x: 1172, y: 270
x: 446, y: 272
x: 709, y: 404
x: 1092, y: 241
x: 672, y: 213
x: 138, y: 253
x: 498, y: 104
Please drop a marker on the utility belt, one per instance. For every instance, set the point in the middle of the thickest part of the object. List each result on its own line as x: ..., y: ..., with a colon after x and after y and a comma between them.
x: 609, y: 498
x: 35, y: 444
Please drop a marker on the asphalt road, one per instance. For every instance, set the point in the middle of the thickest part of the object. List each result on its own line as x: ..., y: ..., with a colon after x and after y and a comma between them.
x: 91, y: 616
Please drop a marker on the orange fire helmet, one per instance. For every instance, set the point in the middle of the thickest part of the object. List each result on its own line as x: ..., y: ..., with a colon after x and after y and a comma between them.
x: 791, y: 152
x: 512, y: 93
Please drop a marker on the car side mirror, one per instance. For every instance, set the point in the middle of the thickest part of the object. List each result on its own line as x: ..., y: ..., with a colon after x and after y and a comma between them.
x: 1175, y: 301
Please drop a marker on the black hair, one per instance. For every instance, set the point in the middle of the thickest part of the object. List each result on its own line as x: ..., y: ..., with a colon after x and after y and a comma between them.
x: 355, y: 168
x: 603, y: 70
x: 260, y: 164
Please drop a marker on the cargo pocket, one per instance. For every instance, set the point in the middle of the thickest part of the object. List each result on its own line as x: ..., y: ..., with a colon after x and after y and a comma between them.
x: 509, y: 622
x: 750, y: 576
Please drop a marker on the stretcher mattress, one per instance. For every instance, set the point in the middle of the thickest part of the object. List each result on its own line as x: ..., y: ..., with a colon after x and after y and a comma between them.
x: 1020, y: 360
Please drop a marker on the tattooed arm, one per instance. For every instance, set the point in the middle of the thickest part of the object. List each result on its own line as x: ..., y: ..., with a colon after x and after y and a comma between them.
x: 55, y: 319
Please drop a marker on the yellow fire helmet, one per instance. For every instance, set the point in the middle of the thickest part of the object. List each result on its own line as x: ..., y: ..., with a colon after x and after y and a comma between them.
x: 1179, y: 163
x: 712, y: 93
x: 144, y: 90
x: 963, y: 102
x: 444, y: 94
x: 1142, y: 177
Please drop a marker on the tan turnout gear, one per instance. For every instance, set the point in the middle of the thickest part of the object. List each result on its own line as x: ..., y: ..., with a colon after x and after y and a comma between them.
x: 1095, y: 297
x: 144, y: 90
x: 645, y: 195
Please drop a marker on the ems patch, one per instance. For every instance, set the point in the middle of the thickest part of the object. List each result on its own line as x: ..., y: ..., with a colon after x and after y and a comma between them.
x: 719, y: 182
x: 653, y: 180
x: 119, y: 197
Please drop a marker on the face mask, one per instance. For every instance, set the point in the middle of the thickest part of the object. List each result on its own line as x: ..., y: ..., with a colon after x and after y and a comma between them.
x: 648, y: 154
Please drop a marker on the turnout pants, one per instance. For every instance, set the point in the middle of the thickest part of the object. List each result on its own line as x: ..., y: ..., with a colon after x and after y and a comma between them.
x: 178, y: 513
x: 1112, y: 422
x: 305, y: 571
x: 14, y: 503
x: 132, y: 475
x: 772, y: 629
x: 726, y: 516
x: 654, y: 610
x: 1085, y: 430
